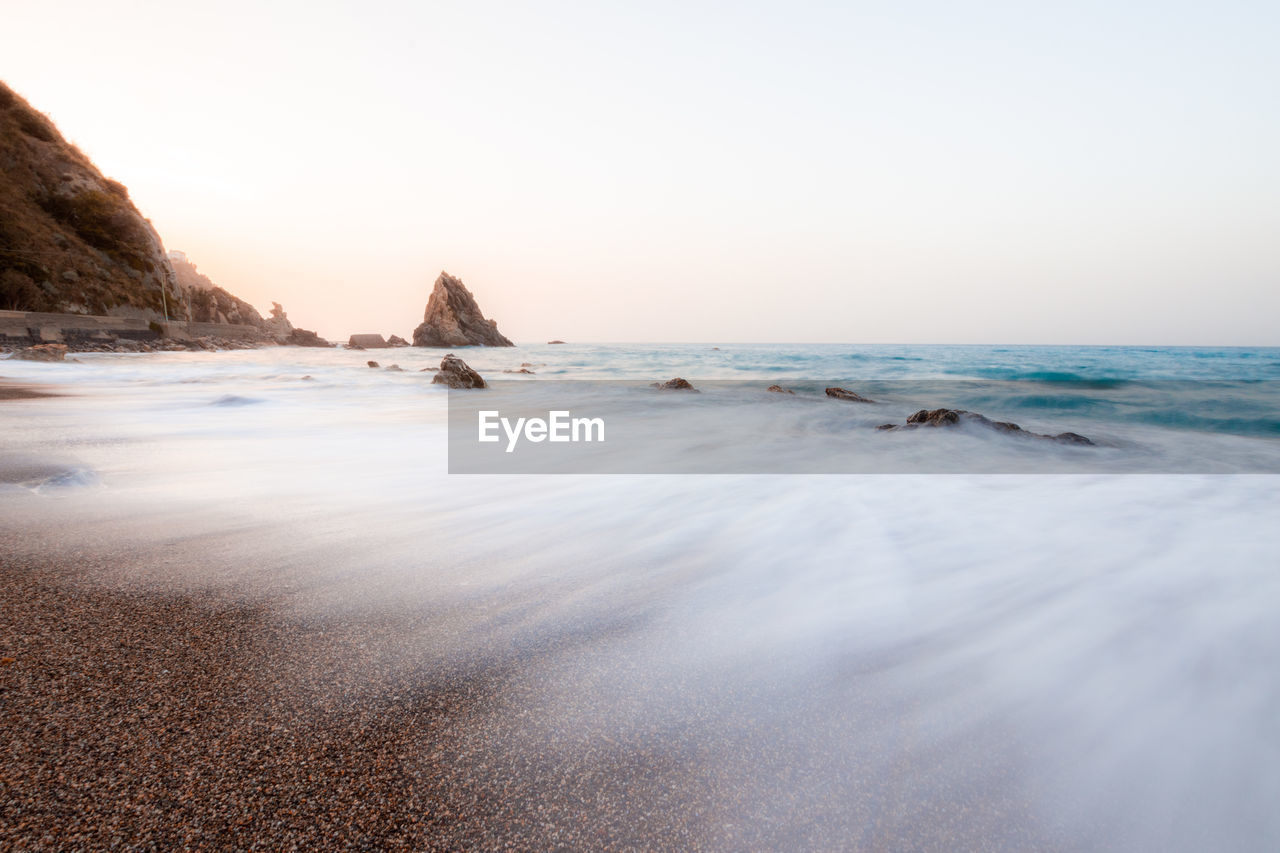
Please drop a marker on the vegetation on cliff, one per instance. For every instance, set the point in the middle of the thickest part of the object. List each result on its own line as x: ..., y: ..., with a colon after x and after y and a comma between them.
x: 70, y: 239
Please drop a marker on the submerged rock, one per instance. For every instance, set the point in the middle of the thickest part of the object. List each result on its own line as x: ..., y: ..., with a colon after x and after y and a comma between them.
x: 555, y: 342
x: 455, y: 373
x: 42, y: 352
x: 453, y: 319
x: 372, y: 363
x: 956, y: 417
x: 842, y: 394
x: 676, y: 384
x: 521, y: 370
x: 778, y: 389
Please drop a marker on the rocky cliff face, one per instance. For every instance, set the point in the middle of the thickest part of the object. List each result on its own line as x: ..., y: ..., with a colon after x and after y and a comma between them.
x: 70, y: 239
x: 72, y: 242
x: 208, y: 303
x: 453, y: 319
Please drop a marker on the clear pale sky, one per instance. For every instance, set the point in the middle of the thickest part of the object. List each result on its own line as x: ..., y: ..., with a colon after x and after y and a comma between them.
x: 867, y: 172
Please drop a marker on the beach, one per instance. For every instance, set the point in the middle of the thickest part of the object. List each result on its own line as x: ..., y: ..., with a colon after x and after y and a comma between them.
x: 246, y: 609
x: 149, y: 719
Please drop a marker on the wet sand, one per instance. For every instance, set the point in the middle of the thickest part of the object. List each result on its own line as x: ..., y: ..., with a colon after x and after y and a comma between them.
x: 10, y: 390
x: 145, y: 719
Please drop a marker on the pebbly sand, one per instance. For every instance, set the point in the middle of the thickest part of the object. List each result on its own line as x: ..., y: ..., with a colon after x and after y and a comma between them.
x: 141, y: 719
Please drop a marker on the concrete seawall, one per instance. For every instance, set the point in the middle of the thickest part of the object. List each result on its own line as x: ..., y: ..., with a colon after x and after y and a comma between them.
x: 25, y: 328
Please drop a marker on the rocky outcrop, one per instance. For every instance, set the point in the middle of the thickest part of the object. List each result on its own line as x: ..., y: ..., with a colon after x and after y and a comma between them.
x: 676, y: 384
x: 216, y: 305
x: 277, y: 326
x: 305, y: 338
x: 397, y: 341
x: 42, y: 352
x: 842, y: 394
x: 453, y: 319
x: 70, y: 239
x: 202, y: 301
x: 367, y: 342
x: 72, y: 242
x: 778, y: 389
x: 455, y: 373
x: 957, y: 417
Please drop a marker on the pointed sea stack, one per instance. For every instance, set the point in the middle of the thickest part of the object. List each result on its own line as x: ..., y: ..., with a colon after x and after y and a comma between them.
x: 453, y: 319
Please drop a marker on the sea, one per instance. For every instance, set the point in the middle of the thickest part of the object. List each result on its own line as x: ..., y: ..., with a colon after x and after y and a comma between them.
x: 1029, y: 643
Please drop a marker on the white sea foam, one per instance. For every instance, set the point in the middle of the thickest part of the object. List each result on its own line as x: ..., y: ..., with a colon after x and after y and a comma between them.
x: 1099, y: 650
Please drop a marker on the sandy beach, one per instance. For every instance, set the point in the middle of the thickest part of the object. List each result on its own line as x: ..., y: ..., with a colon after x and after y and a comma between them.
x: 137, y: 719
x: 244, y: 610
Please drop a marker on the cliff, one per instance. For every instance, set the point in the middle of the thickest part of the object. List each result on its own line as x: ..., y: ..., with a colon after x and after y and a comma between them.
x: 209, y: 303
x: 70, y: 238
x: 71, y: 241
x: 453, y: 319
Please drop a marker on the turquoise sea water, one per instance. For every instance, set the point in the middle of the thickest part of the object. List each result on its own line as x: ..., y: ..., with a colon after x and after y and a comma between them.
x: 1231, y: 390
x: 916, y: 361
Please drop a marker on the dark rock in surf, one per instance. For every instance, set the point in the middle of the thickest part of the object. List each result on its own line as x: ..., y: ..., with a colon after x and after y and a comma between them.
x: 952, y: 417
x: 372, y: 363
x: 305, y: 338
x: 842, y: 394
x: 555, y: 342
x: 455, y: 373
x: 778, y: 389
x: 957, y: 417
x: 676, y: 384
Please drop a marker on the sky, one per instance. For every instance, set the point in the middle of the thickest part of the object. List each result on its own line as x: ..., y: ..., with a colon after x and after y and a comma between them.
x: 916, y: 172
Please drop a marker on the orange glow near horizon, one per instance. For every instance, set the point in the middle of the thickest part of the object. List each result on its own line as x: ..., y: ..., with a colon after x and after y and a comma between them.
x: 665, y: 174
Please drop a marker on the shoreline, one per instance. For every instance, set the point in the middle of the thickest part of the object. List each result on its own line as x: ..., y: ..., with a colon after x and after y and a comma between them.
x: 151, y: 718
x: 259, y: 613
